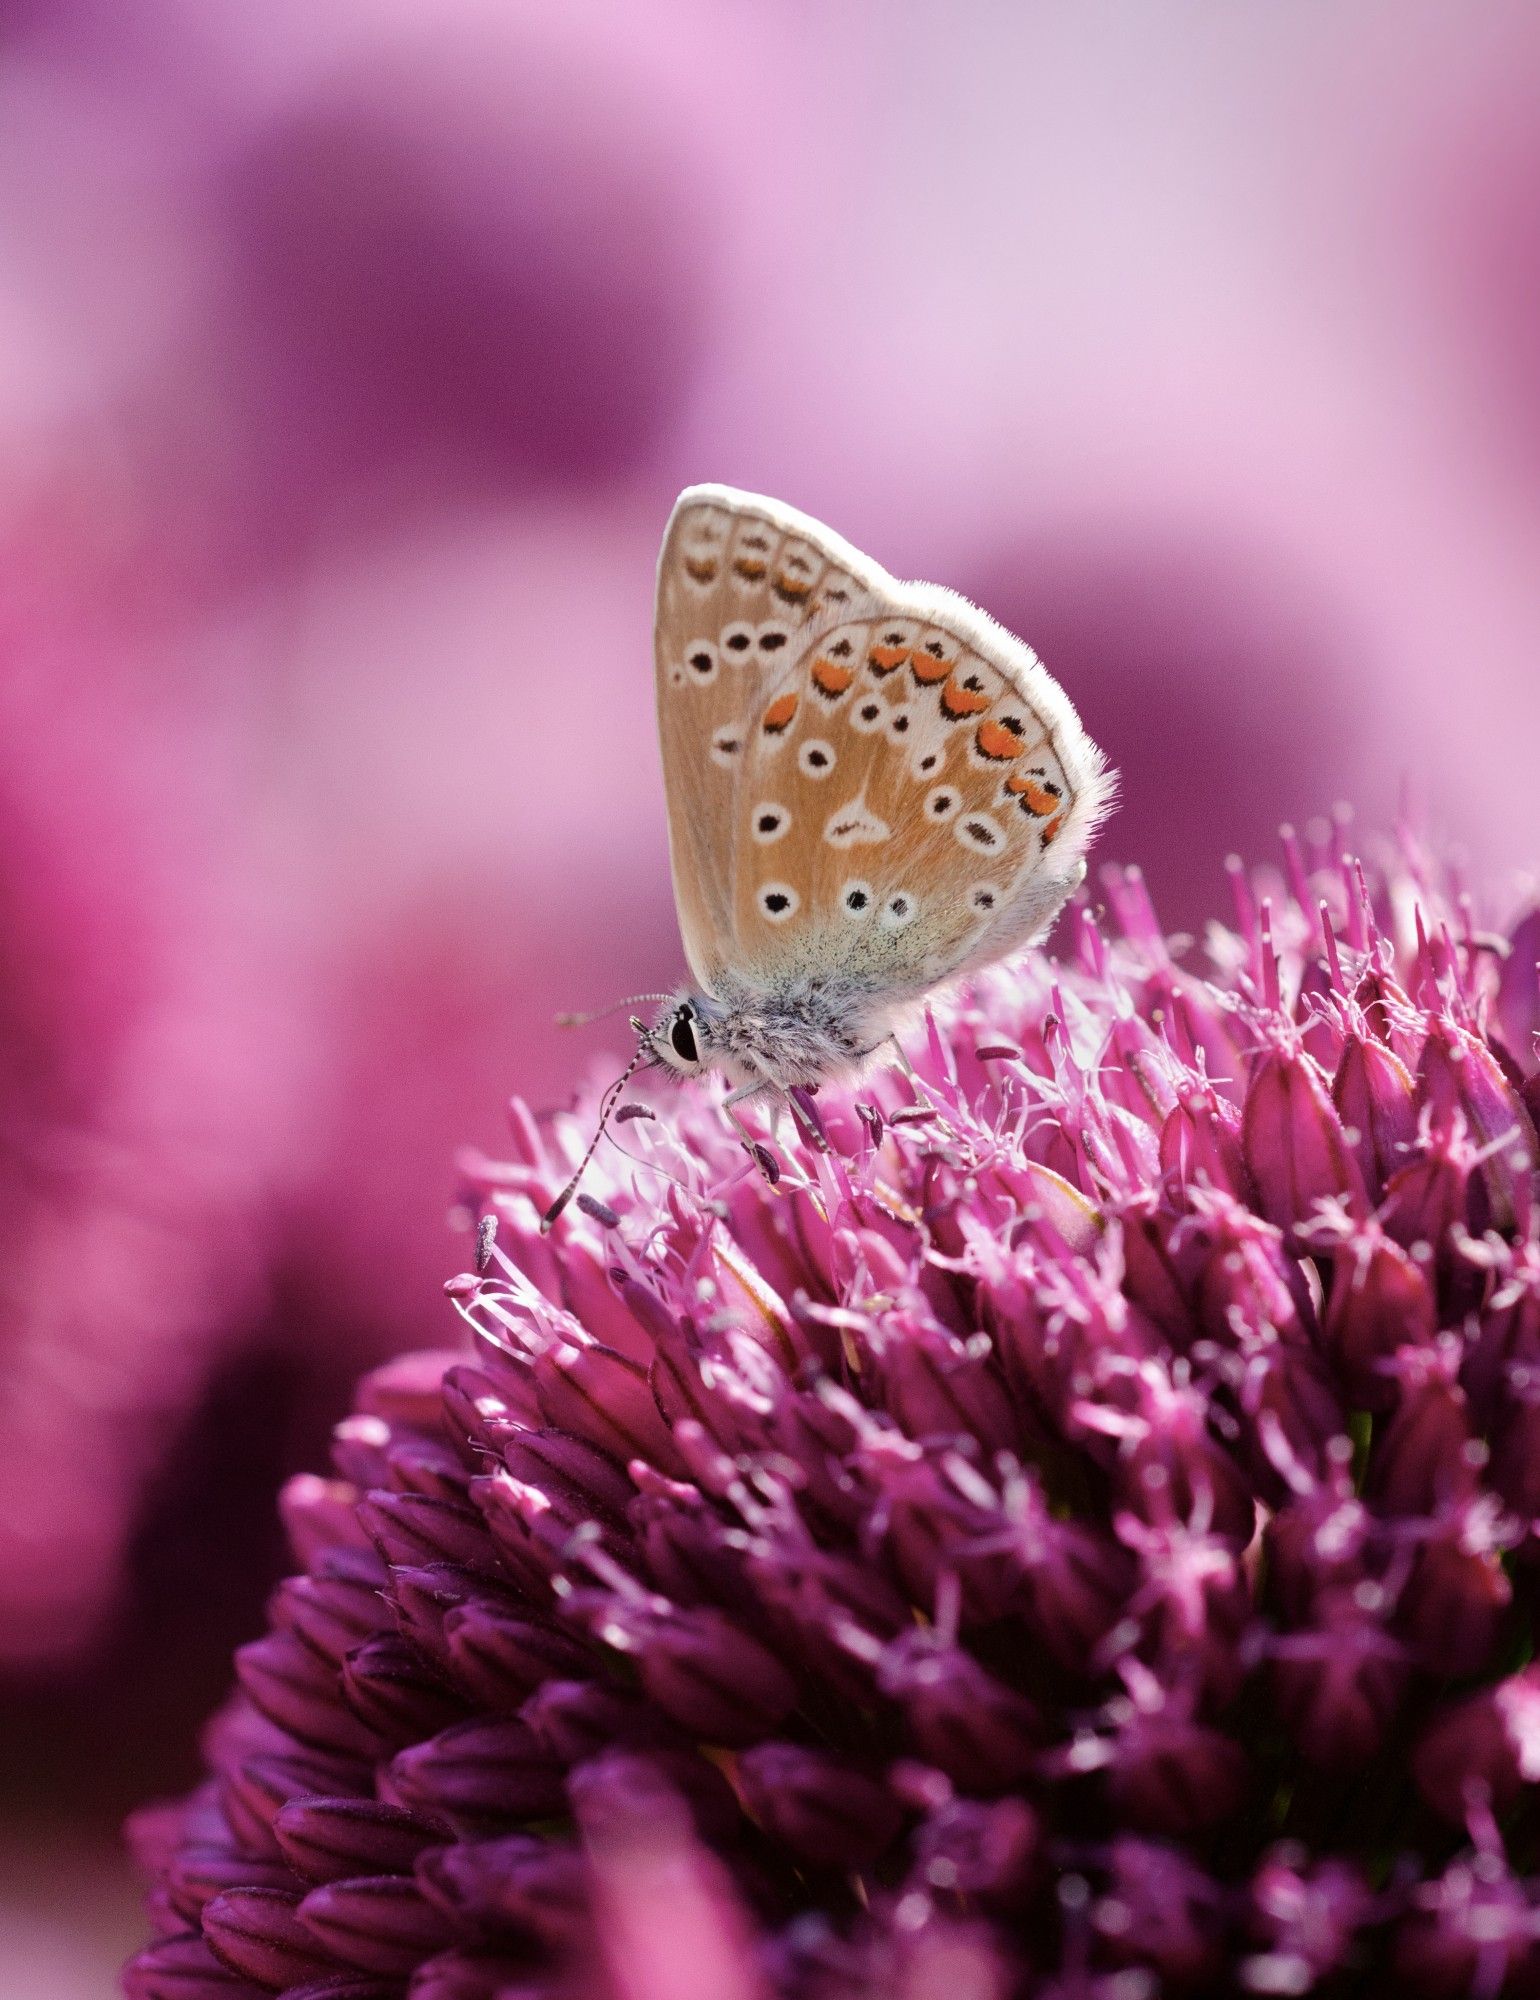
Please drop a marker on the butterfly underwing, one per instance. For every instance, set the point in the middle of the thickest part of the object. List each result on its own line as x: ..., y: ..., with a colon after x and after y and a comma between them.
x: 872, y: 786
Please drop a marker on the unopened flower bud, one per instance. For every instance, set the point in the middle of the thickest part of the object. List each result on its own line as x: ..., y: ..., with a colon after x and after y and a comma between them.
x: 1294, y: 1141
x: 825, y: 1809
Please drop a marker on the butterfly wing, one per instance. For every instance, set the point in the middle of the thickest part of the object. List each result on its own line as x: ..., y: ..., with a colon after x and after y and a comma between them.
x: 864, y: 775
x: 741, y: 581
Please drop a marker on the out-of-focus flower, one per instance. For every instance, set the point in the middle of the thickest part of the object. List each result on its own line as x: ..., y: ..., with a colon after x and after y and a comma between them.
x: 335, y: 301
x: 1119, y: 609
x: 130, y: 1151
x: 1065, y: 1535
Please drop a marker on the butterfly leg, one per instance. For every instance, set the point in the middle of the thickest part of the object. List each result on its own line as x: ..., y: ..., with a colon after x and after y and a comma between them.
x: 903, y: 1061
x: 758, y: 1152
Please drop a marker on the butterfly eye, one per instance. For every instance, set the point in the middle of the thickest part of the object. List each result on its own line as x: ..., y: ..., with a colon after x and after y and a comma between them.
x: 681, y: 1037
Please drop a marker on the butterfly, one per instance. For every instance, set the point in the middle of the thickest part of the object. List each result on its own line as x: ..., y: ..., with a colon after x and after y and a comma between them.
x: 873, y: 789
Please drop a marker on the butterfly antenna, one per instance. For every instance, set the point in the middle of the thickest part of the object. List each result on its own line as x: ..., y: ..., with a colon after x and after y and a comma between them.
x: 601, y: 1013
x: 605, y: 1108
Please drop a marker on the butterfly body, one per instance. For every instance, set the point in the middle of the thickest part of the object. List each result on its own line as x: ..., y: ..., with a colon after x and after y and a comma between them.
x: 809, y: 1027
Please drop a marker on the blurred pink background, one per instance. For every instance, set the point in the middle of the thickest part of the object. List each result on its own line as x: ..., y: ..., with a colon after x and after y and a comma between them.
x: 350, y: 359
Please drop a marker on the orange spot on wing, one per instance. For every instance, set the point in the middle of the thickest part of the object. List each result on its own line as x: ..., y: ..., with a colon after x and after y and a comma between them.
x: 829, y: 677
x: 885, y: 658
x: 928, y: 669
x: 958, y: 701
x: 792, y: 589
x: 750, y: 568
x: 998, y: 740
x: 778, y: 715
x: 1040, y: 799
x: 702, y: 568
x: 1051, y: 830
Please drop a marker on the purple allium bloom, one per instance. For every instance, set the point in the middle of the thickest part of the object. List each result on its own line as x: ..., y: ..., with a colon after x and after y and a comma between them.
x: 1073, y: 1534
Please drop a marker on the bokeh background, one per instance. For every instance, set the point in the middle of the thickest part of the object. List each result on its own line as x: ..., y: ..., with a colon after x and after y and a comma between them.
x: 350, y: 359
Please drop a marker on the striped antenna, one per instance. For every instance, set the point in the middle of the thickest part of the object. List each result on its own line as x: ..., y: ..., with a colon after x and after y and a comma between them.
x: 610, y: 1097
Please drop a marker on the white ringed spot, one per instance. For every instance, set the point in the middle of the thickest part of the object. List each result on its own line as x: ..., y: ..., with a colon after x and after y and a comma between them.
x: 703, y: 544
x: 836, y: 592
x: 769, y: 822
x: 727, y: 744
x: 778, y: 902
x: 981, y: 833
x: 815, y: 759
x: 751, y: 555
x: 737, y: 643
x: 855, y: 825
x: 901, y: 721
x: 796, y: 570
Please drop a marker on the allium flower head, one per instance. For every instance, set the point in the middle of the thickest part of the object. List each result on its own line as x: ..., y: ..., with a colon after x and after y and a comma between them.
x: 1073, y: 1533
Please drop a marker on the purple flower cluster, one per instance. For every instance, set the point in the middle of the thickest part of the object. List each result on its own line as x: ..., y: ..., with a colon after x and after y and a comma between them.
x: 1068, y: 1529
